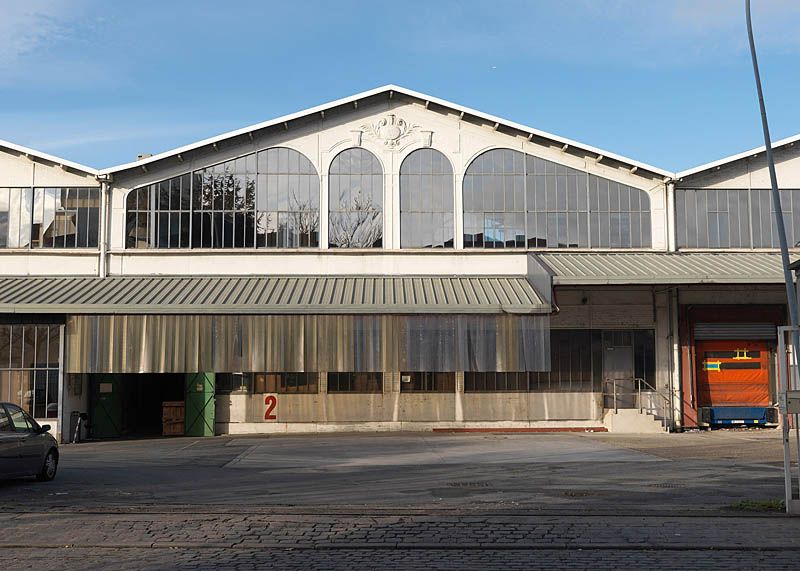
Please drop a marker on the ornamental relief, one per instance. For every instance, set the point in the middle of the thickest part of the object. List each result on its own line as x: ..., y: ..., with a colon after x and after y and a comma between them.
x: 389, y: 130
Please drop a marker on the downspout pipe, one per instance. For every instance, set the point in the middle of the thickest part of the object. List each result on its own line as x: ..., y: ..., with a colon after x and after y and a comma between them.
x: 105, y: 207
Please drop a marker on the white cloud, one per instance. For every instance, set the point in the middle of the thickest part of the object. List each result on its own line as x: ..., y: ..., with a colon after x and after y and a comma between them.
x: 28, y: 26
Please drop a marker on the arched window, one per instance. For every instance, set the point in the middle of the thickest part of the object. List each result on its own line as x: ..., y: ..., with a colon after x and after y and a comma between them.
x: 494, y: 200
x: 514, y: 200
x: 355, y: 184
x: 426, y: 200
x: 287, y: 200
x: 266, y: 199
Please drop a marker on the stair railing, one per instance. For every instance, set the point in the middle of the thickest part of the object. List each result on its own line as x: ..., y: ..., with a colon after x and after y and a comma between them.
x: 618, y: 391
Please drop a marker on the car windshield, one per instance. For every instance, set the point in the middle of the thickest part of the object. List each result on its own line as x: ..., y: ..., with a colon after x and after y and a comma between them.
x: 22, y: 420
x: 35, y: 426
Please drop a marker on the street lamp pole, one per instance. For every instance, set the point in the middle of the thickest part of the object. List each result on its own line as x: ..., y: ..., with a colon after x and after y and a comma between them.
x: 791, y: 294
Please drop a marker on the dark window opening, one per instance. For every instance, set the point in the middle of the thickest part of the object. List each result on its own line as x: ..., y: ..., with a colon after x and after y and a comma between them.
x: 355, y: 382
x: 427, y: 382
x: 258, y: 383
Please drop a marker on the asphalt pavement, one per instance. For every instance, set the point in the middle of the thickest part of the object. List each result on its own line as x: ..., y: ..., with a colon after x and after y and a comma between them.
x: 445, y: 501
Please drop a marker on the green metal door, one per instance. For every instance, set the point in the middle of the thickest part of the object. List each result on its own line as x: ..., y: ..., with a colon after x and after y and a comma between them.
x: 105, y: 416
x: 199, y: 407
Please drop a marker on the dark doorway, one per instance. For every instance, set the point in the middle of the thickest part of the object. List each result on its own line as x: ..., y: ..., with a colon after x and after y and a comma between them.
x: 125, y: 406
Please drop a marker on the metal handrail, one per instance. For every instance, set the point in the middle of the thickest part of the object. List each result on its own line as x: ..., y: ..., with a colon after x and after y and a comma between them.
x: 640, y: 383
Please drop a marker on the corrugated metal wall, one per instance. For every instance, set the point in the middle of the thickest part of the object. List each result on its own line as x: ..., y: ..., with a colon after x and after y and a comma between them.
x: 276, y: 343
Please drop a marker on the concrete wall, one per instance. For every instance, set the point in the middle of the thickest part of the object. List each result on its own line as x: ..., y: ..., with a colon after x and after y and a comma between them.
x: 607, y: 307
x: 393, y: 410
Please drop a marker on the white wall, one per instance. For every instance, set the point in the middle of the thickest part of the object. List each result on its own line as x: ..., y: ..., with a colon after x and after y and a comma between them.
x: 321, y: 139
x: 17, y: 170
x: 750, y: 172
x: 316, y: 262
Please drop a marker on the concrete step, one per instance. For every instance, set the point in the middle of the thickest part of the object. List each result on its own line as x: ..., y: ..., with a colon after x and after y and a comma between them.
x: 632, y: 421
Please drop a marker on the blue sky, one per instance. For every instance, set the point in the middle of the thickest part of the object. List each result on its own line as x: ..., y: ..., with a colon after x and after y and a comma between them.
x: 667, y: 82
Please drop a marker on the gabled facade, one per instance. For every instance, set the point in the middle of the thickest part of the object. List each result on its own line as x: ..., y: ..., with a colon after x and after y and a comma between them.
x: 385, y: 261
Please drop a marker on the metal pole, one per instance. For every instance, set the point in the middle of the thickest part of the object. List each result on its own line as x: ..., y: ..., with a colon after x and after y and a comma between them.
x: 784, y: 382
x: 776, y: 197
x: 791, y: 293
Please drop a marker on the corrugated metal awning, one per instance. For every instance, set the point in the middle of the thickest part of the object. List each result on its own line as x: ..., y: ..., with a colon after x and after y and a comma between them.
x: 598, y: 268
x: 271, y: 295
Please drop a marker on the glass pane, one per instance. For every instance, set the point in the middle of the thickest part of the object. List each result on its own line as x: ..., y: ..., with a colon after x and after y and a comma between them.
x: 356, y: 218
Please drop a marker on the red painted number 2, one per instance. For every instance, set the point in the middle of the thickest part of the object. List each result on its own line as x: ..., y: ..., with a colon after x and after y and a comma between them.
x: 270, y: 401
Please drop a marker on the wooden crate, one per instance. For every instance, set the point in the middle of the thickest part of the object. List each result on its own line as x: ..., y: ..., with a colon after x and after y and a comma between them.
x: 172, y: 418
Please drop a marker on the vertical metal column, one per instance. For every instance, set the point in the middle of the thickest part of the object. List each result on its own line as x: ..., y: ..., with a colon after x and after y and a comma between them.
x: 789, y: 403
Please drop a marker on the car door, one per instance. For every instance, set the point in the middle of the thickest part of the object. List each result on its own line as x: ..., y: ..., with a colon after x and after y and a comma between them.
x: 9, y: 446
x: 30, y: 442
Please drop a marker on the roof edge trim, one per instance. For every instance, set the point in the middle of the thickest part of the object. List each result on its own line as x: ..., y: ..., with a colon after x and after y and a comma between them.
x: 376, y: 91
x: 49, y: 158
x: 737, y: 157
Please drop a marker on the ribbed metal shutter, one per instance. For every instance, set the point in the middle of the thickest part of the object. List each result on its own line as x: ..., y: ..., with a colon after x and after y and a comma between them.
x: 706, y: 331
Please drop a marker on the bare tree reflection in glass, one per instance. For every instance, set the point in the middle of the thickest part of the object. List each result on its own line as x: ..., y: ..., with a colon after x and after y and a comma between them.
x: 356, y: 200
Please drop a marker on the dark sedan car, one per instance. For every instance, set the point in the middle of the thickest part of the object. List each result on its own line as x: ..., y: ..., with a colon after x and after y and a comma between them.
x: 26, y: 449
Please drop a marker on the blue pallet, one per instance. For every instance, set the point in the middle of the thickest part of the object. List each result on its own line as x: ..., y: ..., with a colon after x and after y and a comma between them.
x: 728, y: 415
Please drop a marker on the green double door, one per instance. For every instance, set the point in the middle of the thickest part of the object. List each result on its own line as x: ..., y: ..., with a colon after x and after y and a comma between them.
x: 118, y: 401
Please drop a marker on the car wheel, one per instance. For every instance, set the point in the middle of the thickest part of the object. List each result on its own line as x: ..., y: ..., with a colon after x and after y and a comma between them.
x: 49, y: 467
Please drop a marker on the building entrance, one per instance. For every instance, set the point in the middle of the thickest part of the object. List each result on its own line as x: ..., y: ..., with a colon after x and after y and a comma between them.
x: 124, y: 406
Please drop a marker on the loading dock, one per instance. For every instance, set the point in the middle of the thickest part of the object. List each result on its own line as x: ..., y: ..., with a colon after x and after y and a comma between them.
x: 131, y: 405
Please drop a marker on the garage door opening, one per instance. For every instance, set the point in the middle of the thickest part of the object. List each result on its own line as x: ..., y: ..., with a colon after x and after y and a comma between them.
x: 131, y: 406
x: 733, y: 382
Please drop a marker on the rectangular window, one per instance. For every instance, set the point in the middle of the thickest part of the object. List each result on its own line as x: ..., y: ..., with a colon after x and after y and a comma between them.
x: 496, y: 382
x: 259, y: 383
x: 29, y: 367
x: 723, y: 218
x: 49, y: 217
x: 355, y: 382
x: 286, y: 383
x: 427, y: 382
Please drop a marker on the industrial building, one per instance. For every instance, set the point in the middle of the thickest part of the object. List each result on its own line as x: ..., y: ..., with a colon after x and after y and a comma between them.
x: 390, y: 261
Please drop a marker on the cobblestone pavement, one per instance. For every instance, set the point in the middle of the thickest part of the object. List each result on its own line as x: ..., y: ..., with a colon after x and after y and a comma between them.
x: 445, y: 559
x: 219, y: 540
x: 309, y: 531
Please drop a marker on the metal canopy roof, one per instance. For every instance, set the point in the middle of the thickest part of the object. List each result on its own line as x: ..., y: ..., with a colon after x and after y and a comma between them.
x: 270, y: 295
x: 663, y: 268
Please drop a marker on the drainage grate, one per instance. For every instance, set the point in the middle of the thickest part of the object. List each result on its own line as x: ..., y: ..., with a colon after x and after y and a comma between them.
x: 578, y: 493
x: 467, y: 484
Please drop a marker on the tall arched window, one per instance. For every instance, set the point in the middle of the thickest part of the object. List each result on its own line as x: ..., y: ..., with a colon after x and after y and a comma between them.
x: 355, y: 184
x: 265, y: 199
x: 514, y: 200
x: 287, y: 200
x: 426, y: 200
x: 494, y: 200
